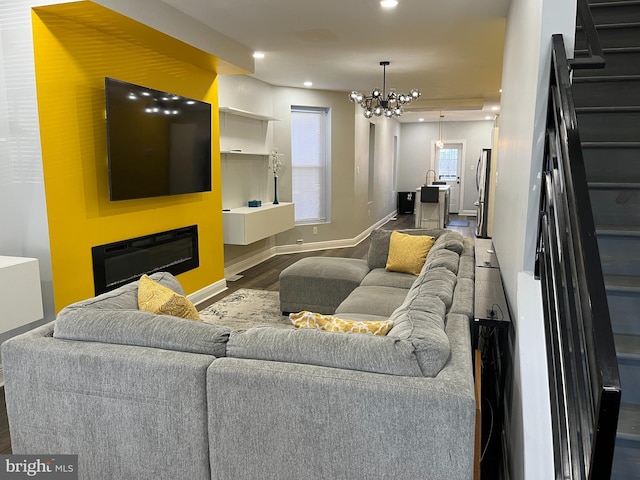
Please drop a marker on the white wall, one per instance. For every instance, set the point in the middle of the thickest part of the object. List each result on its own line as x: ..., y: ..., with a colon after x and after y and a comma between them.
x: 416, y: 154
x: 23, y: 216
x: 525, y: 80
x: 351, y: 213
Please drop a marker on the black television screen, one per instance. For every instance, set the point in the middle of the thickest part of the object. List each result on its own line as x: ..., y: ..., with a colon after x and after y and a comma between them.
x: 159, y: 143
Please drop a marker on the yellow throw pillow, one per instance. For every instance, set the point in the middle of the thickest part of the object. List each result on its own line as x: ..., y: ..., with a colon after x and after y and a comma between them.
x: 407, y: 253
x: 330, y: 323
x: 156, y: 298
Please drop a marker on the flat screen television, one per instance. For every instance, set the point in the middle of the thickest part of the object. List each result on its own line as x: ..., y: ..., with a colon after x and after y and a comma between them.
x: 159, y: 143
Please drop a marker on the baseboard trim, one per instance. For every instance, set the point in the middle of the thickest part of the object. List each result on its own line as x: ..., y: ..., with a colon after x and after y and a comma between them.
x: 247, y: 263
x: 208, y: 292
x: 469, y: 213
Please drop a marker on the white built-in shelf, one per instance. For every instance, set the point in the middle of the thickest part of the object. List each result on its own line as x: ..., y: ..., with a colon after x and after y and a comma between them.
x: 242, y: 152
x: 247, y: 114
x: 246, y: 225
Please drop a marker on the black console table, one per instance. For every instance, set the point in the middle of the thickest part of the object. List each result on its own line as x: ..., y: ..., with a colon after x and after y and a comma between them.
x: 489, y: 334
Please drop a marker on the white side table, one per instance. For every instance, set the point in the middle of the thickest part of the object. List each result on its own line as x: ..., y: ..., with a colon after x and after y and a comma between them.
x: 20, y: 293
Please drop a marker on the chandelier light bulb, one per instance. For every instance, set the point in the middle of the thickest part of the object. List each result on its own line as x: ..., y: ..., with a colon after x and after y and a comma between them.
x: 377, y: 104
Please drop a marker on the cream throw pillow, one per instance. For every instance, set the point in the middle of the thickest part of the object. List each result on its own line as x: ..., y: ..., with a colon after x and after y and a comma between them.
x: 330, y: 323
x: 407, y: 253
x: 156, y: 298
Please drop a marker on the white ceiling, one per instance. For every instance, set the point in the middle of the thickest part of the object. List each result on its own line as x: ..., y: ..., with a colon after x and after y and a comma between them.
x: 449, y: 49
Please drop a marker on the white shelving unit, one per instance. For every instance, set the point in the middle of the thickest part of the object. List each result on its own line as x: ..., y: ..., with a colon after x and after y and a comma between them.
x: 243, y: 132
x: 246, y: 225
x: 247, y: 114
x: 245, y: 143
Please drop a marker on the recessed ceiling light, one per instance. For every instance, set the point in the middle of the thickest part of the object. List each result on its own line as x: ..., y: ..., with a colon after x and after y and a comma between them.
x: 258, y: 55
x: 495, y: 108
x: 488, y: 118
x: 389, y: 3
x: 308, y: 84
x: 421, y: 119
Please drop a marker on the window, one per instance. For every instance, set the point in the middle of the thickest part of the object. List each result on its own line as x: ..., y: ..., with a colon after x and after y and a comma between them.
x: 310, y: 164
x: 448, y: 158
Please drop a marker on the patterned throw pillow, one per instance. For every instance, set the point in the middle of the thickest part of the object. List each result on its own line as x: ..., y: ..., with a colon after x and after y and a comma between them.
x: 156, y: 298
x: 330, y: 323
x: 407, y: 253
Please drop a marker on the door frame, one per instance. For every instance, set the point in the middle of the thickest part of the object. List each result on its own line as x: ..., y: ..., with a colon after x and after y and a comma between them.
x: 432, y: 166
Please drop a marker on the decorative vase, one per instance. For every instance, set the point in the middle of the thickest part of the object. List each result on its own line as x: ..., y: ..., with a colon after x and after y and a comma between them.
x: 275, y: 190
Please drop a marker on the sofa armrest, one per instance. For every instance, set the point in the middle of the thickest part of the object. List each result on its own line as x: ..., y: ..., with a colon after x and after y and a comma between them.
x: 276, y: 420
x: 128, y: 412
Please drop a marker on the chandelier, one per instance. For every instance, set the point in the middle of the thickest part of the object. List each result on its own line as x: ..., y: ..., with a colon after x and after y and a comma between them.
x: 377, y: 104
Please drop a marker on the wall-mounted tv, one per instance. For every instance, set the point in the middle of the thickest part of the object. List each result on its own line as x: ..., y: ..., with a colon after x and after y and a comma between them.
x: 159, y: 143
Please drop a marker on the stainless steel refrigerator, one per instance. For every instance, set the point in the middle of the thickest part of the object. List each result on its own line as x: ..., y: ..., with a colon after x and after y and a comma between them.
x: 483, y: 179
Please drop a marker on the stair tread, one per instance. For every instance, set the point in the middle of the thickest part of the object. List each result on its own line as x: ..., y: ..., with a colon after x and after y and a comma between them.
x: 627, y: 346
x: 610, y: 144
x: 605, y: 78
x: 612, y: 109
x: 614, y: 186
x: 629, y: 421
x: 614, y: 4
x: 613, y: 25
x: 584, y: 51
x: 622, y: 282
x: 618, y: 230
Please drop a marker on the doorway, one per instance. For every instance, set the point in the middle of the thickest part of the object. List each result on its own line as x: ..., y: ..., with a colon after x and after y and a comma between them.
x: 447, y: 163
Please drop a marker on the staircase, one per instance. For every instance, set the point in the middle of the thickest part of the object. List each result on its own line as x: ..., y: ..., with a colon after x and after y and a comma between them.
x: 608, y: 109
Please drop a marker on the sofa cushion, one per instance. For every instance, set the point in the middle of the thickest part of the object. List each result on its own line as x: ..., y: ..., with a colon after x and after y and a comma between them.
x: 113, y: 317
x: 381, y: 278
x: 420, y: 321
x: 372, y: 300
x: 330, y: 323
x: 438, y: 282
x: 448, y: 240
x: 368, y: 353
x: 467, y: 267
x: 463, y: 296
x: 156, y: 298
x: 446, y: 259
x: 407, y: 253
x: 379, y: 244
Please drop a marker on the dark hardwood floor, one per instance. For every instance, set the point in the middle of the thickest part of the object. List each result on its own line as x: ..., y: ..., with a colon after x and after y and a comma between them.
x: 265, y: 276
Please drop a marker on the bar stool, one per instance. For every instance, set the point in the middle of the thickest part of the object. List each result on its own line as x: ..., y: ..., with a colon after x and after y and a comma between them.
x: 430, y: 206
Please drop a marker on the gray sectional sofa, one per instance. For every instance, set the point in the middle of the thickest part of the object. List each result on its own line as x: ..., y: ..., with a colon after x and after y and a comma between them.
x: 145, y: 396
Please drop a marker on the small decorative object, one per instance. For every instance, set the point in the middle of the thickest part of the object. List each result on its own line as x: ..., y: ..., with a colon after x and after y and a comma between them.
x: 255, y: 203
x: 275, y: 164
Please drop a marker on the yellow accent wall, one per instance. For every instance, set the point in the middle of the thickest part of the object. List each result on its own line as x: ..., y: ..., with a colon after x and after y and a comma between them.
x: 77, y: 45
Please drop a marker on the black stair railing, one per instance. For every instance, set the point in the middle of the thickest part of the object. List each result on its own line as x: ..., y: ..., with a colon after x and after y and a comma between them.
x: 595, y: 56
x: 583, y: 370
